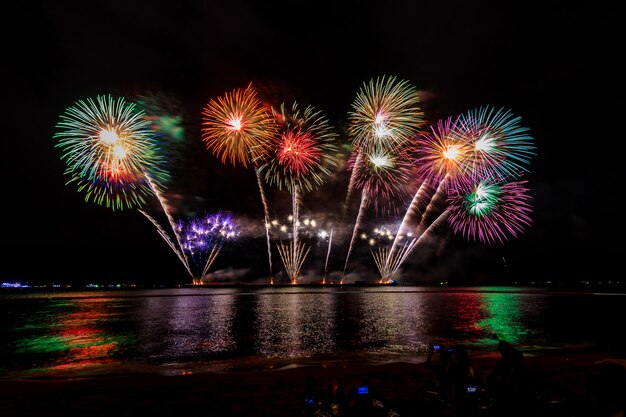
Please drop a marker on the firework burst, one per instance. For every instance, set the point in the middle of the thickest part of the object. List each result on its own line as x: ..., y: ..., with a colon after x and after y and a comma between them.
x: 490, y: 212
x: 301, y: 156
x: 499, y: 148
x: 237, y: 127
x: 108, y: 148
x: 383, y: 175
x: 204, y: 237
x: 130, y: 192
x: 442, y: 154
x: 304, y: 151
x: 386, y: 112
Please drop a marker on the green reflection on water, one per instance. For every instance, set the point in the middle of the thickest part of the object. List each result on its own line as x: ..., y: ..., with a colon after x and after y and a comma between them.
x: 62, y: 342
x: 504, y: 318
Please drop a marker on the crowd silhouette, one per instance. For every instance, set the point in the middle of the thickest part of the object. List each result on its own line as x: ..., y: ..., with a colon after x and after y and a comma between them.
x: 457, y: 389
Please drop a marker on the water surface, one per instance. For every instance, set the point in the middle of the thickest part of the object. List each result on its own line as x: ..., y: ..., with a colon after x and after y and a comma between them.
x: 175, y: 330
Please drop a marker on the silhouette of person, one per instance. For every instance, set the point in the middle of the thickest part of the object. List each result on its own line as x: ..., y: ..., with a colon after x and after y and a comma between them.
x: 606, y: 387
x: 365, y: 401
x: 459, y: 375
x: 336, y: 405
x: 312, y: 399
x: 508, y: 380
x: 438, y: 358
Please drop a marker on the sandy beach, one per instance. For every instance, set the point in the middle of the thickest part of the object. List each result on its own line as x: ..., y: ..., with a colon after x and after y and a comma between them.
x: 560, y: 375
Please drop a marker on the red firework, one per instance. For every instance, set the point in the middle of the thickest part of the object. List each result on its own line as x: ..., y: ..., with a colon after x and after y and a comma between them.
x: 298, y: 152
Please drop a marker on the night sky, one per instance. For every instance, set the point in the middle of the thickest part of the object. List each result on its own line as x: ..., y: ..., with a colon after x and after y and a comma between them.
x: 554, y: 65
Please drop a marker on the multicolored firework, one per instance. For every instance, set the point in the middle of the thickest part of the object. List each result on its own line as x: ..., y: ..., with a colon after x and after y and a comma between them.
x: 304, y: 150
x: 122, y: 194
x: 483, y: 147
x: 499, y: 148
x: 238, y: 127
x: 490, y: 212
x: 108, y: 148
x: 386, y: 113
x: 301, y: 156
x: 442, y: 153
x: 384, y: 175
x: 385, y: 116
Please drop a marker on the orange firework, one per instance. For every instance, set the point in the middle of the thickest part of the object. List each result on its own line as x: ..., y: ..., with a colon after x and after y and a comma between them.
x: 237, y: 127
x: 442, y: 153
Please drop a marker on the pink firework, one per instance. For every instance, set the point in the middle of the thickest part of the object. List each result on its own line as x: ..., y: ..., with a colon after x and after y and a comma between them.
x: 490, y: 212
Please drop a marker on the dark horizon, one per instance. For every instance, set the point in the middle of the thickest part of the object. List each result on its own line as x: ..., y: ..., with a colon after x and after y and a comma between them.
x: 552, y: 66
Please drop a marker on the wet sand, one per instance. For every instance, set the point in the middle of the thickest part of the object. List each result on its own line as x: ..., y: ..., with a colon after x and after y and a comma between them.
x: 560, y: 374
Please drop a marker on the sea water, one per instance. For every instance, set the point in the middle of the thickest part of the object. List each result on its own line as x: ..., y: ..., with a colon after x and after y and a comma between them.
x: 48, y: 334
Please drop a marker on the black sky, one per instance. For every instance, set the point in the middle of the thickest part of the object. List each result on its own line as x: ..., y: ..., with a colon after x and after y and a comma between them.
x: 554, y: 64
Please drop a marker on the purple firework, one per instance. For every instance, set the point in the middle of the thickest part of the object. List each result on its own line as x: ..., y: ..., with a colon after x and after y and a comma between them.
x: 200, y: 236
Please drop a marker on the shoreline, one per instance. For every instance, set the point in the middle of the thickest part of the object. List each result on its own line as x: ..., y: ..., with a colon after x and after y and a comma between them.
x: 273, y: 390
x: 126, y: 292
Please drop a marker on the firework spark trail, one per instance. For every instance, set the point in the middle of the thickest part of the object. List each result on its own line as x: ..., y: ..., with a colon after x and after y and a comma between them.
x: 355, y: 170
x: 170, y: 219
x: 392, y: 259
x: 417, y: 198
x: 359, y: 220
x: 299, y: 158
x: 387, y: 263
x: 167, y: 240
x: 442, y: 218
x: 293, y: 264
x: 381, y: 258
x: 266, y: 213
x: 212, y: 256
x: 399, y: 260
x: 295, y: 202
x: 238, y: 128
x: 441, y: 188
x: 330, y: 242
